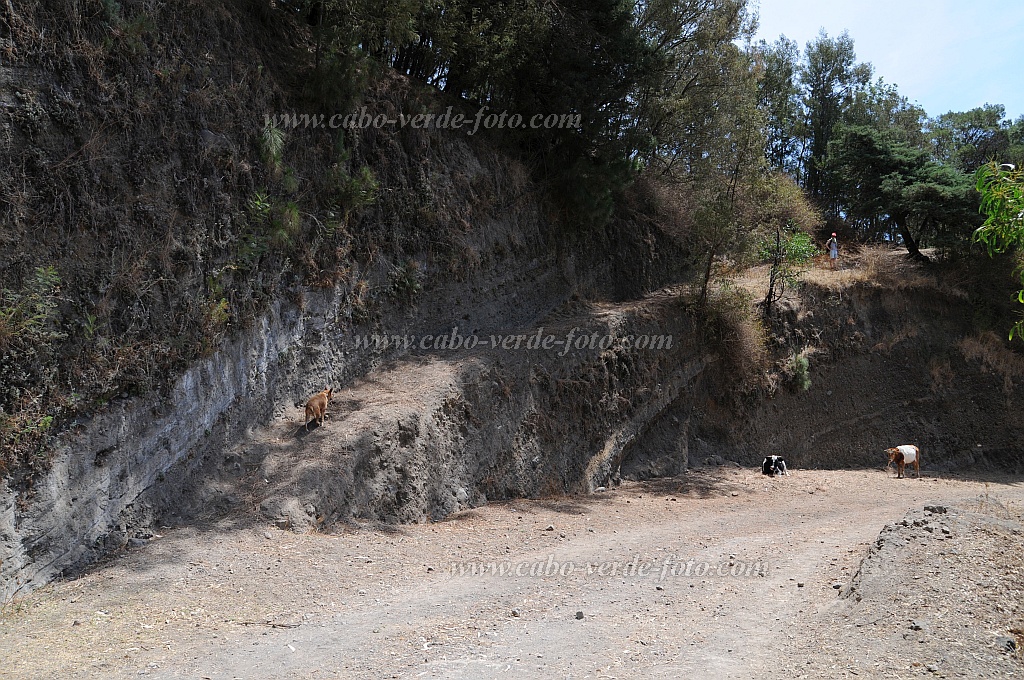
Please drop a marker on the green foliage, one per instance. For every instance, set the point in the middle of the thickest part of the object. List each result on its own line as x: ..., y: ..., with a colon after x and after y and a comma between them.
x: 272, y: 146
x: 880, y: 106
x: 698, y: 101
x: 216, y: 317
x: 831, y: 78
x: 341, y: 77
x: 894, y: 191
x: 289, y: 181
x: 351, y: 193
x: 969, y: 139
x: 1002, y: 201
x: 259, y: 206
x: 779, y: 100
x: 640, y: 77
x: 89, y: 327
x: 285, y: 224
x: 405, y: 281
x: 31, y: 317
x: 29, y: 334
x: 786, y: 251
x: 798, y: 370
x: 112, y: 11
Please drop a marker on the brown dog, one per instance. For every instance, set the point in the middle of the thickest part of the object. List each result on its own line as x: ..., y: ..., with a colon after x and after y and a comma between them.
x: 316, y: 407
x: 901, y: 455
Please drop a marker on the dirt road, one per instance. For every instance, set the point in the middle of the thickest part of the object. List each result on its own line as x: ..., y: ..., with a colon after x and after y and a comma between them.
x: 718, y: 573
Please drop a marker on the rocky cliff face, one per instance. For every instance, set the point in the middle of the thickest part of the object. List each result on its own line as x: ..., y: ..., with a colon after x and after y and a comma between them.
x: 412, y: 434
x: 208, y: 283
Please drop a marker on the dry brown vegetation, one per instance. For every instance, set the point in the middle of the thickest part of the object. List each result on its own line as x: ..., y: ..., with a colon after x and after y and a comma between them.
x: 995, y: 356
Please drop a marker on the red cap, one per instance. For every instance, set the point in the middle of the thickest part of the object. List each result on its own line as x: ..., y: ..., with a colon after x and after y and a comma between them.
x: 833, y: 233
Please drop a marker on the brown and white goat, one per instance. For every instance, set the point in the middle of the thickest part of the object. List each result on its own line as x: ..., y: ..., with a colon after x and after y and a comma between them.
x: 316, y: 407
x: 902, y: 456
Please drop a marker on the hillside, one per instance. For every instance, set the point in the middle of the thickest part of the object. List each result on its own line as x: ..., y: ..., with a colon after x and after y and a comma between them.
x: 180, y: 274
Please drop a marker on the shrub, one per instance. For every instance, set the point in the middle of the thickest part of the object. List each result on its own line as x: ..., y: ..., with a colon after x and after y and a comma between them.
x: 405, y: 282
x: 353, y: 192
x: 272, y: 146
x: 798, y: 371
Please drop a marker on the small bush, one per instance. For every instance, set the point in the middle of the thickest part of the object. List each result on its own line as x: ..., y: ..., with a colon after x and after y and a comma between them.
x: 272, y: 146
x: 353, y: 192
x: 405, y: 282
x: 259, y: 207
x: 29, y: 333
x: 798, y: 371
x: 285, y: 224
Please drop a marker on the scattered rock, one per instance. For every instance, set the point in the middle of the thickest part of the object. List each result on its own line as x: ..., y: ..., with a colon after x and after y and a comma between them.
x: 932, y: 668
x: 658, y: 588
x: 515, y: 613
x: 800, y: 585
x: 936, y: 509
x: 461, y: 495
x: 267, y: 535
x: 735, y: 493
x: 916, y: 625
x: 579, y: 615
x: 599, y: 489
x: 550, y: 527
x: 837, y: 585
x: 1007, y: 643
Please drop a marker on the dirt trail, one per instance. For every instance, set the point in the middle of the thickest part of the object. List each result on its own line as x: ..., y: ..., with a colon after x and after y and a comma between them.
x: 256, y: 602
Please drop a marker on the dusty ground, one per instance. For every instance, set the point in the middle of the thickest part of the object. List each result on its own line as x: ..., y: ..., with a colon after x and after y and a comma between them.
x: 235, y: 601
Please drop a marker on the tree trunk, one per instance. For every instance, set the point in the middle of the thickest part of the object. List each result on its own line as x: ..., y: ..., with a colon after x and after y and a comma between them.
x: 702, y: 303
x: 913, y: 252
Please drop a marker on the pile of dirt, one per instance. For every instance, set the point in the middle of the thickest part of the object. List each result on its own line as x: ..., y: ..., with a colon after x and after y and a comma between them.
x: 940, y: 593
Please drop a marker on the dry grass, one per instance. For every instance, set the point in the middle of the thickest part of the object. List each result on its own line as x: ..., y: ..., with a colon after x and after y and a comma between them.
x: 879, y: 267
x: 735, y: 327
x: 754, y: 280
x: 907, y: 331
x: 995, y: 356
x: 941, y: 374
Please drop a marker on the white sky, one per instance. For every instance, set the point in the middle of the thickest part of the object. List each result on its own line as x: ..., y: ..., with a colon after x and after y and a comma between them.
x: 946, y: 55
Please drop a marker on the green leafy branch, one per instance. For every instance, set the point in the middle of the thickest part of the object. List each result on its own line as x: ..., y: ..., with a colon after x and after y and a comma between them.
x: 1002, y: 202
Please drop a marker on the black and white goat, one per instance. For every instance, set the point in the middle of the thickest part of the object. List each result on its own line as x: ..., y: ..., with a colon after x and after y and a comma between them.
x: 774, y: 465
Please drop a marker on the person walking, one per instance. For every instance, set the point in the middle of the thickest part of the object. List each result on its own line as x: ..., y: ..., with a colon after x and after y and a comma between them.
x: 833, y: 250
